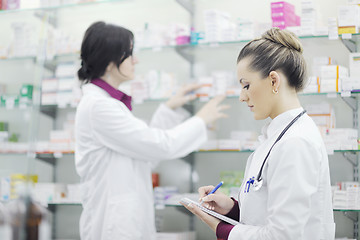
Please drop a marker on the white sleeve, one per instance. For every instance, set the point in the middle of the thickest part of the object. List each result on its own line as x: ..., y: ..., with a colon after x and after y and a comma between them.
x: 120, y: 131
x: 292, y: 180
x: 166, y: 118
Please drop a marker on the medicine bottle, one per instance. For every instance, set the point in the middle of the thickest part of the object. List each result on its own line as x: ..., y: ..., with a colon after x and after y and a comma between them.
x: 28, y: 219
x: 5, y: 229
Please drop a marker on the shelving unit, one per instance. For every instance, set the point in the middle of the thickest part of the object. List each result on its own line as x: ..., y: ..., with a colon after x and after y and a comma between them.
x: 191, y: 54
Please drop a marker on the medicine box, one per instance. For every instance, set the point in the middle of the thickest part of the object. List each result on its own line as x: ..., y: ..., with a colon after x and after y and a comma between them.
x: 333, y: 72
x: 49, y: 85
x: 308, y: 5
x: 26, y: 91
x: 9, y: 101
x: 348, y: 15
x: 354, y: 66
x: 229, y: 144
x: 4, y: 126
x: 282, y: 7
x: 283, y: 16
x: 12, y: 4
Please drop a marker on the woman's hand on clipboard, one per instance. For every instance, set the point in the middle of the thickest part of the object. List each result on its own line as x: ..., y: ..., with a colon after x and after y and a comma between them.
x: 206, y: 218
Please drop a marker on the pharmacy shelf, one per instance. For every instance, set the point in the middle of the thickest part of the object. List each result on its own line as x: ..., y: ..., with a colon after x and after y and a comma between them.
x: 63, y: 6
x: 184, y: 47
x: 65, y: 203
x: 346, y: 210
x: 45, y: 157
x: 354, y: 92
x: 23, y: 58
x: 250, y: 151
x: 52, y: 155
x: 51, y: 110
x: 15, y: 109
x: 329, y: 94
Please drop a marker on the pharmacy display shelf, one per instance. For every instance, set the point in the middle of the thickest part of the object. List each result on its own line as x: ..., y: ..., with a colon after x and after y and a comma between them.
x: 51, y: 155
x: 45, y: 157
x: 22, y: 58
x: 346, y: 210
x: 15, y: 109
x: 51, y: 110
x: 39, y: 154
x: 178, y: 48
x: 330, y: 94
x: 62, y: 6
x: 65, y: 203
x: 250, y: 151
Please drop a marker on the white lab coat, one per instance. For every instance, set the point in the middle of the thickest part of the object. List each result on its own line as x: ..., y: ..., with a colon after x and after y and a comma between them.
x: 114, y: 154
x: 295, y: 199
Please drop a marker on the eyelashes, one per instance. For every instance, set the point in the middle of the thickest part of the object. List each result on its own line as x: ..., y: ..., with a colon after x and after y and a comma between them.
x: 247, y: 87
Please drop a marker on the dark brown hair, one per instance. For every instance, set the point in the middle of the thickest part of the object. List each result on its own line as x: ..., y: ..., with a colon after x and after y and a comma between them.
x: 102, y: 44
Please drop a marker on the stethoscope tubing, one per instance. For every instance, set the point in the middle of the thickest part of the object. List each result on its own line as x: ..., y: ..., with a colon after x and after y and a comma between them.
x: 259, y: 176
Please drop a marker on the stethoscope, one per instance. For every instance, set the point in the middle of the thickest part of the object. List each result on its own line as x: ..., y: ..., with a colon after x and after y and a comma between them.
x: 258, y: 181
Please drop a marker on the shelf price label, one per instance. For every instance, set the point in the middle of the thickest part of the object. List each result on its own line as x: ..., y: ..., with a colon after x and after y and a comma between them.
x: 58, y: 154
x: 331, y: 95
x: 346, y: 94
x: 346, y: 35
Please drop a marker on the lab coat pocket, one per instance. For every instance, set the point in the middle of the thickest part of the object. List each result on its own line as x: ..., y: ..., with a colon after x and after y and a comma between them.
x: 120, y: 222
x: 254, y: 207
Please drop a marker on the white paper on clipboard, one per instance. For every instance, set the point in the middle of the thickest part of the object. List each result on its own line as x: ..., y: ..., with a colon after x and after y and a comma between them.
x: 208, y: 211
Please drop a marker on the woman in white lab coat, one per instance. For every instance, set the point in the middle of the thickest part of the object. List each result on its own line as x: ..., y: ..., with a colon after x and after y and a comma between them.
x: 114, y: 149
x: 286, y: 192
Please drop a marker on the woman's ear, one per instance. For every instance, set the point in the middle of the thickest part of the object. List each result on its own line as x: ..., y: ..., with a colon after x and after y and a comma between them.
x: 275, y: 80
x: 109, y: 67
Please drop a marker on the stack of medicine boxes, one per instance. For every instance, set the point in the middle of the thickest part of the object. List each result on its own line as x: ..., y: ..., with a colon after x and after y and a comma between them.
x: 283, y: 15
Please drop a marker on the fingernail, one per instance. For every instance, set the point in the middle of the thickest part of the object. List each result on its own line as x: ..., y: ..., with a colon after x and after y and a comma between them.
x: 190, y: 205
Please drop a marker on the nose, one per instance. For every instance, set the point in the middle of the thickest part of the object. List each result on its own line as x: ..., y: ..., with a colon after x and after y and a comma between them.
x: 243, y: 96
x: 135, y: 59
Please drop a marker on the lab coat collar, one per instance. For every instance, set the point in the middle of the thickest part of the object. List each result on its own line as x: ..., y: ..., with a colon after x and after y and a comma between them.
x: 280, y: 122
x: 113, y: 92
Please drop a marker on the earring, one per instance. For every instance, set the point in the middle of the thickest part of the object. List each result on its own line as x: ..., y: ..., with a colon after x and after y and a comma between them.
x: 275, y: 91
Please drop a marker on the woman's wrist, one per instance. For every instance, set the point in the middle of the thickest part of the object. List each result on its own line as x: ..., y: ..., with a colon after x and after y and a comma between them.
x: 234, y: 212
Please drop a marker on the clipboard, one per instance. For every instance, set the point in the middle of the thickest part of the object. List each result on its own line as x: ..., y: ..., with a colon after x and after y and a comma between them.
x: 187, y: 201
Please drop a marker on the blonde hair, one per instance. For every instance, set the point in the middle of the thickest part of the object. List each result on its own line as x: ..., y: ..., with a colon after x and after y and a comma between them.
x: 277, y: 50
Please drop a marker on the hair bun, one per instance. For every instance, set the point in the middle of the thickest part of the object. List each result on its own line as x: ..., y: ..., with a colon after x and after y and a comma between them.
x: 283, y: 37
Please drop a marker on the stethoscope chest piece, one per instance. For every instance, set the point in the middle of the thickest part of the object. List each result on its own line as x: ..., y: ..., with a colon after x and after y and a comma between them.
x: 257, y: 185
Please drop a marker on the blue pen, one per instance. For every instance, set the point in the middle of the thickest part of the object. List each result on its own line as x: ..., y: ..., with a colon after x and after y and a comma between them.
x: 214, y: 190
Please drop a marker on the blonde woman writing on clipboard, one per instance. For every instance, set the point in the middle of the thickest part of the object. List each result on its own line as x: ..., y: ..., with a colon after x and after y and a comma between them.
x: 286, y: 192
x: 115, y: 150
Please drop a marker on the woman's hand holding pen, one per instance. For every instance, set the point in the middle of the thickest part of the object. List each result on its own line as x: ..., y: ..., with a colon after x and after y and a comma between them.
x: 217, y: 201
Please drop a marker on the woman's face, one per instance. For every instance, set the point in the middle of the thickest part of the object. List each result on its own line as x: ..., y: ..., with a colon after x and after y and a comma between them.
x: 127, y: 68
x: 256, y: 91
